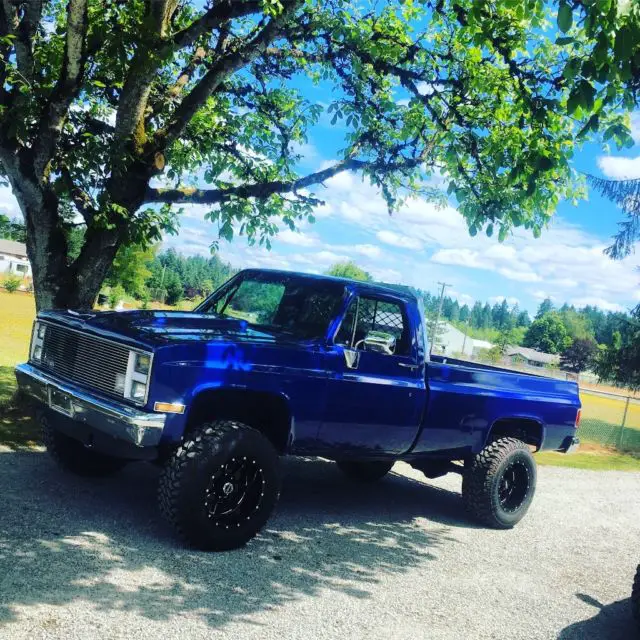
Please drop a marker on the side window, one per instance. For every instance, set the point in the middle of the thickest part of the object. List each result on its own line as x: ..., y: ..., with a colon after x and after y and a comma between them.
x: 366, y: 315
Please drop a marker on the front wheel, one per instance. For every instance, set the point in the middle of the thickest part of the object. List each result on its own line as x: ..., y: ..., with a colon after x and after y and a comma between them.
x: 220, y: 486
x: 499, y: 483
x: 364, y: 471
x: 71, y: 455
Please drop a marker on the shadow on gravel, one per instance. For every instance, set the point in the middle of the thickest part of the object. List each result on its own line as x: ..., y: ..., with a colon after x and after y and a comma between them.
x: 101, y: 542
x: 613, y: 622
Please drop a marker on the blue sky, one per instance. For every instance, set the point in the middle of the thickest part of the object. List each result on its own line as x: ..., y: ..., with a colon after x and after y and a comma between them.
x: 422, y: 244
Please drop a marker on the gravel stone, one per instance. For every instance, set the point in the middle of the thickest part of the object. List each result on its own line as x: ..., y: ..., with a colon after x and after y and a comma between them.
x: 91, y: 558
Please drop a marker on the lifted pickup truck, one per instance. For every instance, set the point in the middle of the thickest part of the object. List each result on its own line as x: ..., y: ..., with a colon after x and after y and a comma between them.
x: 277, y: 363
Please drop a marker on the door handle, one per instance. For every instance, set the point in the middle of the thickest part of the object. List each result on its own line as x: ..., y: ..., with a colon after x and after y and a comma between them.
x: 413, y: 367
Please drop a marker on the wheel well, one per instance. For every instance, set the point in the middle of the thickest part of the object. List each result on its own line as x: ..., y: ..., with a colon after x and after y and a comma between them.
x: 528, y: 431
x: 267, y: 412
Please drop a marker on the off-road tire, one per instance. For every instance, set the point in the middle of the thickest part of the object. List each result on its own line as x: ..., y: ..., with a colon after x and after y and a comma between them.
x: 482, y: 477
x: 364, y: 471
x: 185, y: 489
x: 72, y: 456
x: 635, y: 598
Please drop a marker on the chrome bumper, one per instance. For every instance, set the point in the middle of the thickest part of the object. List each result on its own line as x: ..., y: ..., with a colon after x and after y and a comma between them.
x: 140, y: 428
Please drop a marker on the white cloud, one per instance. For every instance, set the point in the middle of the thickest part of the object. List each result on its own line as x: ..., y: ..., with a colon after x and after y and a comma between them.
x: 400, y: 241
x: 368, y: 250
x: 519, y: 275
x: 597, y: 302
x: 8, y: 203
x: 460, y: 257
x: 620, y: 168
x: 510, y: 300
x: 296, y: 238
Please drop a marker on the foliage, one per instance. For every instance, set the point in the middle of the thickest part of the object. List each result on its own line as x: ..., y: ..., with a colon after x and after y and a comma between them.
x: 11, y: 284
x: 579, y: 356
x: 110, y: 107
x: 349, y: 269
x: 548, y: 334
x: 619, y: 362
x: 626, y: 194
x: 116, y: 295
x: 12, y: 229
x: 130, y: 269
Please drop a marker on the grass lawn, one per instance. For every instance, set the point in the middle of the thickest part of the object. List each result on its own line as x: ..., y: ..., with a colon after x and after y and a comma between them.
x: 18, y: 429
x: 17, y: 310
x: 591, y: 456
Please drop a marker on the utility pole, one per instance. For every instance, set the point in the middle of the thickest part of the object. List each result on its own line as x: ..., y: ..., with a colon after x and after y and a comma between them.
x: 444, y: 285
x: 466, y: 331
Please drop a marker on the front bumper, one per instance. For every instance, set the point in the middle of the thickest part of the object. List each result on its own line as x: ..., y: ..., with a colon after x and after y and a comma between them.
x: 117, y: 420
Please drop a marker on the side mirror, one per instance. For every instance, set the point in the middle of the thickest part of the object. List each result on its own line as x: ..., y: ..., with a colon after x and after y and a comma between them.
x: 351, y: 358
x: 380, y: 342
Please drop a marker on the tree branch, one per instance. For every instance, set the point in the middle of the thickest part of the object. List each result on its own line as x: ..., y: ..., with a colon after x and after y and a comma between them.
x: 225, y: 67
x: 67, y: 87
x: 25, y: 32
x: 81, y: 199
x: 220, y: 12
x: 263, y: 190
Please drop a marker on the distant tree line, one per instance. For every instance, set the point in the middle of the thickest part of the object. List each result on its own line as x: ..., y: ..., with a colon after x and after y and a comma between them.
x: 167, y: 277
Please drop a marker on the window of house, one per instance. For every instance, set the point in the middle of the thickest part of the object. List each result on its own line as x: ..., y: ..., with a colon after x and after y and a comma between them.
x: 22, y: 268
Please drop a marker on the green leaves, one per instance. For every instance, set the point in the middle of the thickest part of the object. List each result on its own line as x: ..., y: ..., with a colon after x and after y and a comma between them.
x: 565, y: 16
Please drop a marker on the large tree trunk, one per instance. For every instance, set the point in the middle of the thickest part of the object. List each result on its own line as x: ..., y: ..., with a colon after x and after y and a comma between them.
x: 57, y: 282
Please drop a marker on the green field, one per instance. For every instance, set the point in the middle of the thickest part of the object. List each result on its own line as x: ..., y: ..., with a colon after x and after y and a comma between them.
x: 601, y: 416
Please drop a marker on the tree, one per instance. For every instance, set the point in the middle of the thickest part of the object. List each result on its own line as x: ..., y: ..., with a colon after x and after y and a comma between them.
x: 546, y: 306
x: 547, y: 334
x: 523, y: 319
x: 620, y: 362
x: 108, y: 108
x: 579, y: 356
x: 350, y: 270
x: 12, y: 229
x: 130, y: 269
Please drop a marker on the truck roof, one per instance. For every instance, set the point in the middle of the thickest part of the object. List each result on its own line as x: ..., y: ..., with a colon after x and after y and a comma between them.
x: 399, y: 291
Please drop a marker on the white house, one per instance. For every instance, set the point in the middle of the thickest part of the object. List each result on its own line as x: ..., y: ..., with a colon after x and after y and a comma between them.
x: 13, y: 259
x: 452, y: 341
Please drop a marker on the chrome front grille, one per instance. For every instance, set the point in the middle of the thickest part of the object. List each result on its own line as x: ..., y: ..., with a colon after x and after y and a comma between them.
x: 84, y: 359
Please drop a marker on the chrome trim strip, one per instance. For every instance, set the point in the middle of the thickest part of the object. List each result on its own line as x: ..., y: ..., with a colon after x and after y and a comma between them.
x: 142, y: 428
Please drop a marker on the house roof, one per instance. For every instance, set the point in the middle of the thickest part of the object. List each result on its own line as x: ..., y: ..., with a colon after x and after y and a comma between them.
x: 14, y: 248
x: 533, y: 355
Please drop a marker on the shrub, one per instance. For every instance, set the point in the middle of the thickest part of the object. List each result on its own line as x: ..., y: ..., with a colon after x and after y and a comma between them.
x: 12, y: 283
x: 116, y: 294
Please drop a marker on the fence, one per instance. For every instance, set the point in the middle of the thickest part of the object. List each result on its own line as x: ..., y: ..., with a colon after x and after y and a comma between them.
x: 610, y: 419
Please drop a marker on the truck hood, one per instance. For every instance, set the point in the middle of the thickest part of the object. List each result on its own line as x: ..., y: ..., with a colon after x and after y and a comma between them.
x: 156, y: 328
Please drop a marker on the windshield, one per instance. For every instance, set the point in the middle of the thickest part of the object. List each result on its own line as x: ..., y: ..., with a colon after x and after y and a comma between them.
x: 279, y: 302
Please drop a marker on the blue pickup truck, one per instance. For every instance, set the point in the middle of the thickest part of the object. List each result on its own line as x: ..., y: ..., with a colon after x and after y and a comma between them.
x: 276, y: 363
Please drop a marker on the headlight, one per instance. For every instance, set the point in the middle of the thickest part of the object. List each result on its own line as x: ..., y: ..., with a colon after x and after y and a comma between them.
x: 142, y: 363
x: 134, y: 384
x: 138, y: 390
x: 37, y: 341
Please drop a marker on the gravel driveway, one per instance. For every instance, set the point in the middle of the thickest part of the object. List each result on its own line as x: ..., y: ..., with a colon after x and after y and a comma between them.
x: 92, y: 559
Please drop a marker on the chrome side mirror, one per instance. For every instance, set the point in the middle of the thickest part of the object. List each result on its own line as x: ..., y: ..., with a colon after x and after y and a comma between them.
x: 351, y: 358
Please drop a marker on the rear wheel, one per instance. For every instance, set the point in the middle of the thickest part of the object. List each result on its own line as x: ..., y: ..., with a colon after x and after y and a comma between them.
x: 71, y: 455
x: 499, y: 483
x: 220, y: 486
x: 364, y: 471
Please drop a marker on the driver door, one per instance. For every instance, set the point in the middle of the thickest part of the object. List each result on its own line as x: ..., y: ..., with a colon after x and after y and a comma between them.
x: 376, y: 394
